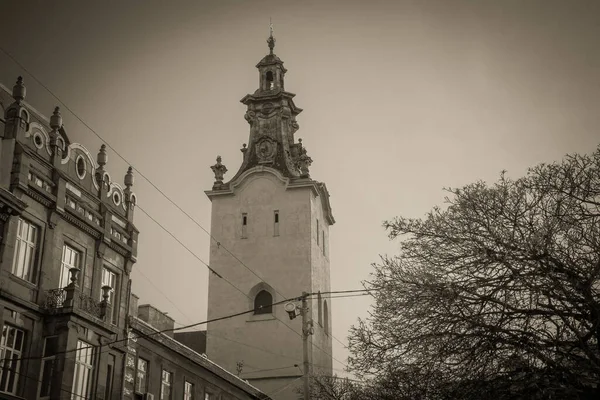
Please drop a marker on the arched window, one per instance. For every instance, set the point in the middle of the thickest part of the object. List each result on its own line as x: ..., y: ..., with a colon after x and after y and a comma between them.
x: 263, y: 303
x: 269, y: 78
x: 326, y: 317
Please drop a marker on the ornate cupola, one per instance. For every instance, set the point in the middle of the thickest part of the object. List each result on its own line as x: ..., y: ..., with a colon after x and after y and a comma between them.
x: 271, y: 113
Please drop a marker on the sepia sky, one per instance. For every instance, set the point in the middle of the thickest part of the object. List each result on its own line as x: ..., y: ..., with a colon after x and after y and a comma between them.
x: 400, y: 99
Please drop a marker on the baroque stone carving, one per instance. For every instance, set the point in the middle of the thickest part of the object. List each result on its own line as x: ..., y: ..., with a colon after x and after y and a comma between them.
x: 219, y: 170
x: 267, y: 108
x: 303, y: 161
x: 266, y: 150
x: 250, y: 116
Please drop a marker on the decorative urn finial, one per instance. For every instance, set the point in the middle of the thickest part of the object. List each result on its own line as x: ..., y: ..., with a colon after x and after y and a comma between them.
x: 219, y: 170
x: 56, y: 121
x: 102, y: 156
x: 129, y: 178
x: 19, y: 90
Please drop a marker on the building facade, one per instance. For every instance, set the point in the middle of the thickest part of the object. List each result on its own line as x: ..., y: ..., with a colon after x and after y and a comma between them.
x: 271, y: 224
x: 71, y: 328
x: 68, y: 246
x: 167, y: 369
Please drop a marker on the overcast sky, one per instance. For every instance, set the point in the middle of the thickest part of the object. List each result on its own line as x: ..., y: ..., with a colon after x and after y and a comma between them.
x: 400, y: 99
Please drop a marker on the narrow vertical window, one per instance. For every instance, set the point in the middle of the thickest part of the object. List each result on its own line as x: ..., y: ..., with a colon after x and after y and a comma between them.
x: 320, y: 308
x: 317, y: 232
x: 84, y: 366
x: 323, y: 242
x: 50, y: 349
x: 11, y: 349
x: 269, y: 78
x: 71, y: 258
x: 325, y: 318
x: 188, y: 391
x: 244, y: 225
x: 109, y: 278
x: 25, y: 251
x: 165, y: 387
x: 141, y: 374
x: 276, y: 223
x: 110, y: 371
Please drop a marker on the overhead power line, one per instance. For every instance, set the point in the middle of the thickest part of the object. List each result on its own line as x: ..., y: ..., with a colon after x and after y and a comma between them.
x: 171, y: 201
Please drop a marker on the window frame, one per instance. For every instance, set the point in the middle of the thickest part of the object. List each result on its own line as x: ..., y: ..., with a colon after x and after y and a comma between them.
x: 47, y: 360
x: 4, y: 349
x: 166, y: 383
x: 188, y: 395
x: 32, y: 245
x: 137, y: 370
x: 264, y: 310
x: 114, y: 293
x: 83, y: 366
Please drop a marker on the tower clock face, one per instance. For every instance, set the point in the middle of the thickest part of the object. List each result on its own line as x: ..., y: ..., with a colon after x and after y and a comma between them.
x: 267, y: 108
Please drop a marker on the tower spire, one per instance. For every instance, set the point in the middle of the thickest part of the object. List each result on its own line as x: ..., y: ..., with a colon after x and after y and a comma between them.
x: 271, y: 39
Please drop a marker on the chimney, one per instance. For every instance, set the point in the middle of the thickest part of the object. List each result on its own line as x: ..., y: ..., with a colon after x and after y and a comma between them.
x: 156, y: 318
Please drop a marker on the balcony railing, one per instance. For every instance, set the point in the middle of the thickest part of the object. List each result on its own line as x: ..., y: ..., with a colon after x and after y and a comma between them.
x: 56, y: 299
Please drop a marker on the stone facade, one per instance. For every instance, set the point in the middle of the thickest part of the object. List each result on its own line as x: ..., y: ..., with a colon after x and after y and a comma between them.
x: 68, y: 247
x: 168, y: 365
x: 71, y: 325
x: 275, y: 219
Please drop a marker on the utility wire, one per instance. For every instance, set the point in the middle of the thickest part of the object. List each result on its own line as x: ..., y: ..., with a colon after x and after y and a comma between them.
x: 161, y: 331
x: 166, y: 197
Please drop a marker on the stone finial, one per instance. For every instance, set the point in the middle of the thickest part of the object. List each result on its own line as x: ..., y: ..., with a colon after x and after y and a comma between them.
x: 219, y: 170
x: 56, y: 121
x: 128, y: 181
x: 106, y: 293
x: 102, y: 156
x: 244, y: 149
x: 271, y: 39
x: 19, y: 90
x: 303, y: 162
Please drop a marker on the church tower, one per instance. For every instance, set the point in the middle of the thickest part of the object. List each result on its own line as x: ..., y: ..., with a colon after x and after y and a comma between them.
x: 270, y: 225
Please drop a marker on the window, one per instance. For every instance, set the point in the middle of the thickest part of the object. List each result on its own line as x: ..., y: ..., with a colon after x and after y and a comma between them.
x: 244, y: 225
x: 141, y: 374
x: 165, y: 387
x: 25, y: 251
x: 48, y: 360
x: 317, y: 232
x: 188, y: 391
x: 323, y: 242
x: 110, y: 371
x: 109, y: 278
x: 82, y: 377
x: 276, y: 223
x: 320, y: 308
x: 209, y: 396
x: 70, y: 259
x: 263, y: 303
x: 269, y: 78
x: 11, y: 349
x: 325, y: 318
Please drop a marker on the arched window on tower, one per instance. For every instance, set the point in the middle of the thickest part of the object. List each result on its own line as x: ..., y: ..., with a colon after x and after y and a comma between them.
x: 325, y: 318
x: 263, y: 303
x: 269, y: 78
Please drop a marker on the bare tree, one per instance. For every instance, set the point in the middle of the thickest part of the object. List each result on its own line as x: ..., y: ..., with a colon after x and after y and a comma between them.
x: 498, y: 291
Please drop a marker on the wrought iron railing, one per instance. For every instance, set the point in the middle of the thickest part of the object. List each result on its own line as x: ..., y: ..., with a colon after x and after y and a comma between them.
x: 55, y: 299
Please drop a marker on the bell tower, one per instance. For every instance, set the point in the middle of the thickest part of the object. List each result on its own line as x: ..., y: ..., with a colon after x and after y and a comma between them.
x: 270, y: 223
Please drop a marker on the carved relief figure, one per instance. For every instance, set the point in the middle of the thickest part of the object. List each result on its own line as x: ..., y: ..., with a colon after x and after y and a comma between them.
x: 219, y: 170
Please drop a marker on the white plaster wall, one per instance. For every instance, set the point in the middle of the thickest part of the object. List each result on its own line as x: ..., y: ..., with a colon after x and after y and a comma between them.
x: 283, y: 261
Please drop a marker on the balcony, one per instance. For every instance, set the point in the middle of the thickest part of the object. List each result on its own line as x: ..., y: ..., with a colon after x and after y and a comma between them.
x: 72, y: 299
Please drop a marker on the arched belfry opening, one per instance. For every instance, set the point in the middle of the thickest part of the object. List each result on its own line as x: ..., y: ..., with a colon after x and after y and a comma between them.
x: 270, y: 81
x: 263, y: 303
